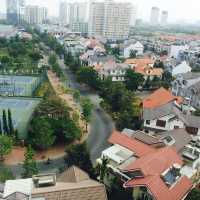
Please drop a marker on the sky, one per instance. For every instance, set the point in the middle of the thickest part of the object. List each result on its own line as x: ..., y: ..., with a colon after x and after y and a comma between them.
x: 179, y: 10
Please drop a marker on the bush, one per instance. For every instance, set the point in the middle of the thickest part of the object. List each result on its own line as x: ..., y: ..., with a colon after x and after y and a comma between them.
x: 5, y: 174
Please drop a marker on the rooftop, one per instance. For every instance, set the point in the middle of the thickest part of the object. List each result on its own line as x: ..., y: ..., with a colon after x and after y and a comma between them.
x: 161, y: 174
x: 158, y: 98
x: 139, y: 148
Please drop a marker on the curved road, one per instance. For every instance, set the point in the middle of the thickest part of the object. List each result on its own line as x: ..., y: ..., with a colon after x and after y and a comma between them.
x: 101, y: 124
x: 101, y: 127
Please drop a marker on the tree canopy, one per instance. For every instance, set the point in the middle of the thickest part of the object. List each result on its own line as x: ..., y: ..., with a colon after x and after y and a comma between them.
x: 29, y: 165
x: 6, y: 144
x: 133, y: 80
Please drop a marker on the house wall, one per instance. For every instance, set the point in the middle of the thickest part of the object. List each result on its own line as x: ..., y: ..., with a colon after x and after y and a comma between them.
x: 127, y: 50
x: 169, y: 124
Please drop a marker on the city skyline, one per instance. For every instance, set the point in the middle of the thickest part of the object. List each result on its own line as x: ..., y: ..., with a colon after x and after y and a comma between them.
x: 144, y: 8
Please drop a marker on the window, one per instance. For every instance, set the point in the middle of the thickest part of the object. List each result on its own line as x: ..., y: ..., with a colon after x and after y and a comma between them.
x: 161, y: 123
x: 176, y: 127
x: 148, y: 122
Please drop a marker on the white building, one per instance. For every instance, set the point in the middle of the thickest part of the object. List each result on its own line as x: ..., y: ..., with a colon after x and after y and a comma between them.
x: 154, y: 19
x: 117, y: 20
x: 63, y: 13
x: 133, y: 15
x: 35, y: 14
x: 164, y: 18
x: 114, y: 70
x: 15, y: 11
x: 181, y: 69
x: 110, y: 19
x: 138, y: 48
x: 96, y: 18
x: 78, y: 12
x: 175, y: 50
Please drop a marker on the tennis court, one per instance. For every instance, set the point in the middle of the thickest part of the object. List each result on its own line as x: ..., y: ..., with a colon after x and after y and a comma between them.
x: 18, y: 85
x: 21, y: 109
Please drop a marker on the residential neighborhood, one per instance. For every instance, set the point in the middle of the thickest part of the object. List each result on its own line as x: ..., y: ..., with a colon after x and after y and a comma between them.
x: 99, y: 100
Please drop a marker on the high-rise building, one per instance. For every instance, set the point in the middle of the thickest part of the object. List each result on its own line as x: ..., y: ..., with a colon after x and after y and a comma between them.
x: 96, y: 18
x: 133, y: 15
x: 64, y: 13
x: 164, y: 18
x: 35, y: 14
x: 154, y: 20
x: 15, y: 11
x: 110, y: 19
x: 117, y: 18
x: 78, y: 12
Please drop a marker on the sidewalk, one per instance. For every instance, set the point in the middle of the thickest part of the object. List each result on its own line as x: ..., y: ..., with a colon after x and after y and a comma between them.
x: 17, y: 154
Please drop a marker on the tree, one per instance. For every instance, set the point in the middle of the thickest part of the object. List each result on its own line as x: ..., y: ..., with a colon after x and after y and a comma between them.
x: 78, y: 155
x: 1, y: 128
x: 29, y: 165
x: 5, y: 59
x: 197, y: 112
x: 5, y: 146
x: 89, y: 76
x: 103, y: 168
x: 133, y: 80
x: 5, y: 174
x: 42, y: 135
x: 147, y: 83
x: 76, y: 95
x: 87, y: 110
x: 10, y: 123
x: 35, y: 56
x: 133, y: 54
x: 52, y: 59
x: 193, y: 195
x: 5, y: 125
x: 116, y: 51
x: 159, y: 64
x: 69, y: 129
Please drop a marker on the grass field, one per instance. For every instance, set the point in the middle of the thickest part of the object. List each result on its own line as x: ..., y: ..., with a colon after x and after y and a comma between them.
x: 21, y: 109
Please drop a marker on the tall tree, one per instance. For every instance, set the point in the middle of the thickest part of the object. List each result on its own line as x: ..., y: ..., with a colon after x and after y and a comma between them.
x: 5, y: 146
x: 0, y: 128
x: 194, y: 194
x: 78, y: 155
x: 29, y: 165
x: 42, y: 135
x: 87, y: 110
x: 5, y: 124
x: 52, y: 59
x: 103, y: 168
x: 89, y: 76
x: 10, y: 123
x: 133, y: 80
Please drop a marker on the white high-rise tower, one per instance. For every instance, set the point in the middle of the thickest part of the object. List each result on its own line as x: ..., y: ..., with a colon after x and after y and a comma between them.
x: 155, y: 12
x: 64, y: 13
x: 164, y: 18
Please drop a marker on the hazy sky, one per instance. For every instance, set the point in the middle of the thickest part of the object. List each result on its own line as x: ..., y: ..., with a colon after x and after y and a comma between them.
x: 188, y: 10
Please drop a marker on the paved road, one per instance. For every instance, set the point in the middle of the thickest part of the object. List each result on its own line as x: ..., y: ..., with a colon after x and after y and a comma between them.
x: 43, y: 167
x: 101, y: 124
x: 101, y: 127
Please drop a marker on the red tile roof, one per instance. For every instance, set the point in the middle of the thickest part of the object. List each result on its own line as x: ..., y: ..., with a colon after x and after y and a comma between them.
x: 156, y: 162
x: 160, y: 190
x: 152, y: 166
x: 158, y: 98
x: 132, y: 144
